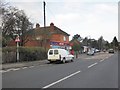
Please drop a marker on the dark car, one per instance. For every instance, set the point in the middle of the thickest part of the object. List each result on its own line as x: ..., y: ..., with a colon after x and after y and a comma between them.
x: 111, y: 51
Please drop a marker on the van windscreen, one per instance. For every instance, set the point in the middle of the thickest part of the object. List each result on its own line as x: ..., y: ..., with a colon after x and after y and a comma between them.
x: 55, y: 51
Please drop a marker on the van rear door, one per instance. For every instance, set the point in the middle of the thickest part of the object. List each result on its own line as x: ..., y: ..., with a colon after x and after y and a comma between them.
x: 56, y: 54
x: 53, y: 55
x: 50, y: 54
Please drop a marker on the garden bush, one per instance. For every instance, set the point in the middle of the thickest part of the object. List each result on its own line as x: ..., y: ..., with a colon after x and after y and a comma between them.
x: 26, y: 54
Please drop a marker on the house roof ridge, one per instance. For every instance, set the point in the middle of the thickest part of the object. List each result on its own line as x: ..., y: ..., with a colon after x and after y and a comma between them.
x: 62, y: 30
x: 48, y: 27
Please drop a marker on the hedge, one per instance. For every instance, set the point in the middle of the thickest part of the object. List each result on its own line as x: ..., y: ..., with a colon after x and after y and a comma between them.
x: 26, y: 54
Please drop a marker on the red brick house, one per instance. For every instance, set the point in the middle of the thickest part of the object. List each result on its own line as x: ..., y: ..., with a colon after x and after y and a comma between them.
x: 49, y: 36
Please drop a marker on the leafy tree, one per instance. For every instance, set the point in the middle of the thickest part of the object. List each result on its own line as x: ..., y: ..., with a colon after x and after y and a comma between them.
x: 77, y: 36
x: 107, y: 45
x: 100, y: 43
x: 76, y: 46
x: 90, y: 42
x: 14, y: 21
x: 85, y: 41
x: 114, y: 43
x: 94, y: 43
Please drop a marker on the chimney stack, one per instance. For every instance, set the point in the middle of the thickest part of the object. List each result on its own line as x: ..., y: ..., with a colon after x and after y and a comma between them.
x: 51, y: 24
x: 37, y: 25
x: 52, y: 27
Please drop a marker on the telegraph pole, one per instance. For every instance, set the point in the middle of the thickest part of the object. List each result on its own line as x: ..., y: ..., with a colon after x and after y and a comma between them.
x: 44, y: 24
x: 44, y: 13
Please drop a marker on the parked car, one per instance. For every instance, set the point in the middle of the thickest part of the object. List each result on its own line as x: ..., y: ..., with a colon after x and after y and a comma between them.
x: 104, y: 50
x: 111, y: 51
x: 59, y: 55
x: 96, y: 50
x: 90, y: 52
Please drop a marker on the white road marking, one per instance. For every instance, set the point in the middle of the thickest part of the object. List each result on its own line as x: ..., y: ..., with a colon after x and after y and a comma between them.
x: 3, y: 71
x: 92, y: 65
x: 102, y: 60
x: 107, y: 57
x: 42, y: 65
x: 13, y: 69
x: 61, y: 80
x: 45, y: 65
x: 31, y: 66
x: 88, y: 58
x: 9, y: 70
x: 24, y: 67
x: 16, y: 69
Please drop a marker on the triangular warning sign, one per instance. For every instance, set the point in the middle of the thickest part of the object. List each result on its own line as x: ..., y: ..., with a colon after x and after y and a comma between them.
x: 17, y: 39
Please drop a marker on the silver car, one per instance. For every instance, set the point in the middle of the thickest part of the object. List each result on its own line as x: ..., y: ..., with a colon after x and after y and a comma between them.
x: 90, y: 52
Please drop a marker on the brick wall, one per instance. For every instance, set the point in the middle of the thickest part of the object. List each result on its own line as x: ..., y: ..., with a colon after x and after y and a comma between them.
x: 59, y: 38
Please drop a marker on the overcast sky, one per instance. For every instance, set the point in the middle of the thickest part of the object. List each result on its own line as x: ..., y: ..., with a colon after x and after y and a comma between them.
x: 91, y: 18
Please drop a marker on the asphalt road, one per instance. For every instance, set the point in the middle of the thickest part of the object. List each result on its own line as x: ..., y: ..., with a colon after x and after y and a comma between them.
x: 87, y: 72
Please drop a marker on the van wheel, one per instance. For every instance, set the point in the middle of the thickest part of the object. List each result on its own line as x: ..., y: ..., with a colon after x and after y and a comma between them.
x: 63, y: 60
x: 71, y: 60
x: 51, y: 61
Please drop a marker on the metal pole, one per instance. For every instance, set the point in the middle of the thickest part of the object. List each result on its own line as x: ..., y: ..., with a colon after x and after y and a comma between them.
x: 17, y: 51
x: 44, y: 13
x: 44, y: 23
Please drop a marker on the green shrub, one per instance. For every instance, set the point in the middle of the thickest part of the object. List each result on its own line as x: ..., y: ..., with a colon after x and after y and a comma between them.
x: 32, y: 53
x: 8, y: 49
x: 26, y: 53
x: 8, y: 54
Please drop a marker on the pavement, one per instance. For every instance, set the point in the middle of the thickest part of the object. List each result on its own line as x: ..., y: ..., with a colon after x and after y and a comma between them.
x: 23, y: 64
x: 32, y: 63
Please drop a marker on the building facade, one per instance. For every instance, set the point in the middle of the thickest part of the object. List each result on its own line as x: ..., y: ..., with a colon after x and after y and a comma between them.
x: 49, y: 37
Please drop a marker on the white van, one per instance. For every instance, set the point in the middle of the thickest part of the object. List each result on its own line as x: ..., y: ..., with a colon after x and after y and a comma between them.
x: 59, y: 55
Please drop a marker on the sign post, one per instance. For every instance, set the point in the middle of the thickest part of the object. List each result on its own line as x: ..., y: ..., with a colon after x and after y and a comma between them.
x: 17, y: 40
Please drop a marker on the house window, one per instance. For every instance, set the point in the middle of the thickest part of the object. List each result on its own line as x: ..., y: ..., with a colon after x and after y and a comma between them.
x: 38, y: 38
x: 64, y: 38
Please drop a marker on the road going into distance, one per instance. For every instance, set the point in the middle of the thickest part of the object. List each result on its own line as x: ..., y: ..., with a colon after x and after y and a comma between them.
x: 98, y: 71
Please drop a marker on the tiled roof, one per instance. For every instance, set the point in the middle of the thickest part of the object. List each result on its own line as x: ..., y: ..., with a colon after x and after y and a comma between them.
x: 46, y: 30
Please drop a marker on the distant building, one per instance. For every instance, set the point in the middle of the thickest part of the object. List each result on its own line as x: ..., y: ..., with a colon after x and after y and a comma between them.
x: 49, y: 36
